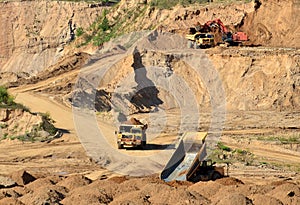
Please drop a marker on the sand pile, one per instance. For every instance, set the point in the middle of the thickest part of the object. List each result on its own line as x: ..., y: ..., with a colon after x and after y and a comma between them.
x: 148, y: 190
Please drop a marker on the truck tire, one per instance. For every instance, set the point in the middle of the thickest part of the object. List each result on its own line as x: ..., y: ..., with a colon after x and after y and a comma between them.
x: 143, y: 145
x: 120, y: 146
x: 190, y: 44
x: 216, y: 175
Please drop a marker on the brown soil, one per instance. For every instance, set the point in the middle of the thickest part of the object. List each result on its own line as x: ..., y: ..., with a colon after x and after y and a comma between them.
x: 262, y: 94
x: 150, y: 190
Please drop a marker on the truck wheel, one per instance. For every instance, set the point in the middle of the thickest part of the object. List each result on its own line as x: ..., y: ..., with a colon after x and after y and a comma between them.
x: 190, y: 44
x: 143, y: 145
x: 216, y: 175
x: 120, y: 146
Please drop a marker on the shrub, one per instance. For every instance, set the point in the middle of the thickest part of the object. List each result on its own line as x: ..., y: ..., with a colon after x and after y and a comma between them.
x: 5, y: 98
x: 168, y: 4
x: 79, y: 31
x: 47, y: 124
x: 223, y: 147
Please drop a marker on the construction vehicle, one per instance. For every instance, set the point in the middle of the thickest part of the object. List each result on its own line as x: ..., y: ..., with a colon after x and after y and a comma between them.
x: 188, y: 161
x: 131, y: 133
x: 200, y: 40
x: 227, y: 36
x: 216, y: 26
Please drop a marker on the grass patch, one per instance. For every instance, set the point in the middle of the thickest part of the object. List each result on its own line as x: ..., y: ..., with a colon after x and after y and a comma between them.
x: 223, y: 147
x: 225, y: 154
x: 169, y: 4
x: 294, y: 139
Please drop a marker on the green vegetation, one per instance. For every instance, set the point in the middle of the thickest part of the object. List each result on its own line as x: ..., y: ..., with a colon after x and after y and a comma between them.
x: 5, y: 98
x: 225, y: 154
x: 7, y: 101
x: 103, y: 29
x: 36, y: 132
x: 223, y: 147
x: 79, y: 31
x: 294, y: 139
x: 168, y: 4
x: 47, y: 124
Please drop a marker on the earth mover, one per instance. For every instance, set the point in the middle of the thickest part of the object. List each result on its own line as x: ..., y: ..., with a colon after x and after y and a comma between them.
x: 228, y: 38
x: 204, y: 171
x: 131, y: 133
x: 188, y: 161
x: 200, y: 40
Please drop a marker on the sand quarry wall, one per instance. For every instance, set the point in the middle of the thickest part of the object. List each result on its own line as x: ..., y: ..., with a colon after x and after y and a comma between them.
x: 253, y: 79
x: 34, y: 33
x: 274, y: 23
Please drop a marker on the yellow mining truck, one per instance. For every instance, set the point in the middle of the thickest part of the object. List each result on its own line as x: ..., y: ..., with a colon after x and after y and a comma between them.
x: 188, y: 161
x: 131, y: 133
x: 200, y: 40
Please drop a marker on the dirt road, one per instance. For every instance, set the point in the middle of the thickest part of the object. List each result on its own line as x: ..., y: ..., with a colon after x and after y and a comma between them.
x: 96, y: 137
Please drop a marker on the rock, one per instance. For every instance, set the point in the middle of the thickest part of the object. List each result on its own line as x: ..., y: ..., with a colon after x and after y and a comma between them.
x: 6, y: 182
x: 22, y: 177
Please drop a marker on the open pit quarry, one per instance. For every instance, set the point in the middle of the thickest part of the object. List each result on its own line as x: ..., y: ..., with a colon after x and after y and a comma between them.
x: 246, y: 97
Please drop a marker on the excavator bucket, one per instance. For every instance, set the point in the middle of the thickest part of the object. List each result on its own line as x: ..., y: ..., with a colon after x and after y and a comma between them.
x: 190, y: 151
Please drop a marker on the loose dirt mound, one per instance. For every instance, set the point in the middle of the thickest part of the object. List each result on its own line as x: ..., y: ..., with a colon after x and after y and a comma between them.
x: 148, y: 190
x: 229, y: 181
x: 22, y: 177
x: 287, y: 193
x: 24, y: 125
x: 73, y: 182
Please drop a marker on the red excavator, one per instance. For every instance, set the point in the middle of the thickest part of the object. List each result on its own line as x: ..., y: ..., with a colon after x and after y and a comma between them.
x: 228, y: 37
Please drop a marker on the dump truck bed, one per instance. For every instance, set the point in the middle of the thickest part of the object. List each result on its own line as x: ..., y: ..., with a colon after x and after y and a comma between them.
x: 190, y: 150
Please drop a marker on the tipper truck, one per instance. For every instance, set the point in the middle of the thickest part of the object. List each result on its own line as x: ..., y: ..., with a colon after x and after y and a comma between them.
x: 188, y: 161
x: 131, y: 133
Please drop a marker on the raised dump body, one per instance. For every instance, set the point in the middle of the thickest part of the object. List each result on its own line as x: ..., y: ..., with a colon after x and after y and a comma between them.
x: 188, y: 164
x: 191, y: 145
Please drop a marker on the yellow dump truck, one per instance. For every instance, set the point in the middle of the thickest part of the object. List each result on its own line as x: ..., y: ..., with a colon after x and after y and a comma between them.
x: 188, y: 161
x: 131, y: 134
x: 200, y: 40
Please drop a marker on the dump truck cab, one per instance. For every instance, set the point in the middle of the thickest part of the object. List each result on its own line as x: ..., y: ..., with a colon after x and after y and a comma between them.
x: 131, y: 136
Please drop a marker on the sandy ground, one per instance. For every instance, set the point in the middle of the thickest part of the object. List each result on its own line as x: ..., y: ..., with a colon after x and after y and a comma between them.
x: 60, y: 155
x: 84, y: 165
